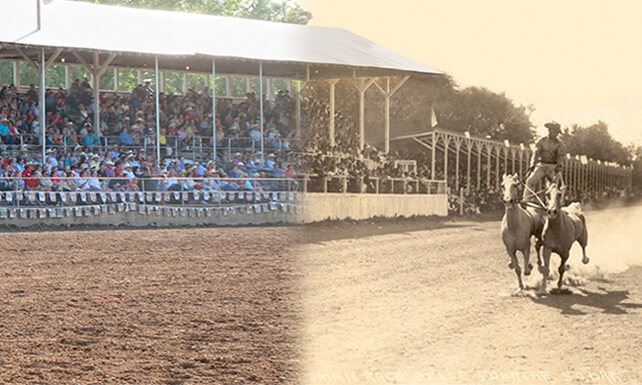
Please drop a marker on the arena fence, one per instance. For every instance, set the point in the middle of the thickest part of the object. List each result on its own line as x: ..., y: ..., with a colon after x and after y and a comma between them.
x: 372, y: 185
x: 171, y: 197
x: 187, y: 201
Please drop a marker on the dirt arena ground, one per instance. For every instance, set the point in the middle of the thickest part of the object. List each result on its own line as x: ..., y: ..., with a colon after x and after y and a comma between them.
x: 180, y: 306
x: 415, y: 302
x: 394, y: 302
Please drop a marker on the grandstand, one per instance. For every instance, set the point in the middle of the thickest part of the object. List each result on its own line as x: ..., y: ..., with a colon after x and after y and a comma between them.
x: 171, y: 122
x: 108, y: 119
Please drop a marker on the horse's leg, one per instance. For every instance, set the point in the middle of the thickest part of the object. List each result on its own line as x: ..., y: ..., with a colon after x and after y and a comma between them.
x: 528, y: 267
x: 545, y: 270
x: 538, y: 249
x: 585, y: 259
x: 511, y: 252
x: 518, y: 270
x: 583, y: 242
x: 562, y: 269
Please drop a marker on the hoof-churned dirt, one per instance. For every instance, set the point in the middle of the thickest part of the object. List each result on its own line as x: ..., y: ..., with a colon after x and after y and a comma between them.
x: 180, y: 306
x: 400, y: 304
x: 385, y: 302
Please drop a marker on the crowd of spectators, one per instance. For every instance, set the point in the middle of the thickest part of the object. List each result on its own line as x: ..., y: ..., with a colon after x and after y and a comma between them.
x: 118, y: 169
x: 129, y: 120
x: 79, y: 158
x: 366, y: 170
x: 369, y: 170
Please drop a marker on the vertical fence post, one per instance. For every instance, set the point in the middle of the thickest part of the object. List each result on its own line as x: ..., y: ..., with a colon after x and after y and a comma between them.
x: 42, y: 104
x: 261, y: 121
x: 213, y: 85
x: 157, y: 106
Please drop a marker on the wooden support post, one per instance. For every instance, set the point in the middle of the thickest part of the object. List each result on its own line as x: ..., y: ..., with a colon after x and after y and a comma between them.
x: 331, y: 126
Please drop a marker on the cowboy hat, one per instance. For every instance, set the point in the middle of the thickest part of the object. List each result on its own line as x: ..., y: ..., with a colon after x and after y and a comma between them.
x: 553, y: 126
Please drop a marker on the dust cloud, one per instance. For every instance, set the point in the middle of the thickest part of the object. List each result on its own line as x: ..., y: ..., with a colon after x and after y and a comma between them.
x: 615, y: 243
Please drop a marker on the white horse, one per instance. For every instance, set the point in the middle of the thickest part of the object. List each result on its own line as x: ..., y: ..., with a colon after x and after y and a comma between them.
x: 518, y: 225
x: 562, y: 228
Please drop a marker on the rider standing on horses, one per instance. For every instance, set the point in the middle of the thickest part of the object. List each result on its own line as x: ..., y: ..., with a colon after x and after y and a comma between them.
x: 546, y: 161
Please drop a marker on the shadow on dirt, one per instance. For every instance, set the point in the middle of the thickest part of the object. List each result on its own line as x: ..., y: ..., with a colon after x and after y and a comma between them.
x: 610, y: 302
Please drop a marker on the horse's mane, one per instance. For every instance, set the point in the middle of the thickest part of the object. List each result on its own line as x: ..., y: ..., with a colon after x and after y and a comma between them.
x: 574, y: 208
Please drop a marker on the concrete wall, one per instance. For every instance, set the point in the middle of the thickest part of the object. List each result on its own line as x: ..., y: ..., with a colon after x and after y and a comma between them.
x: 319, y: 206
x: 314, y: 207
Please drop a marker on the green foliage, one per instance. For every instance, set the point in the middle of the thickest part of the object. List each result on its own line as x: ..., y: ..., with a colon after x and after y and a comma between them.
x: 196, y: 82
x: 254, y: 85
x: 6, y: 72
x: 27, y: 74
x: 238, y: 85
x: 272, y: 10
x: 108, y: 79
x: 221, y: 86
x: 79, y: 72
x: 278, y: 85
x: 149, y: 75
x: 127, y: 79
x: 56, y: 76
x: 173, y: 83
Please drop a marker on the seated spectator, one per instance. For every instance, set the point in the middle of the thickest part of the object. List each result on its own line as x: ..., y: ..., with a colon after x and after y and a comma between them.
x: 125, y: 138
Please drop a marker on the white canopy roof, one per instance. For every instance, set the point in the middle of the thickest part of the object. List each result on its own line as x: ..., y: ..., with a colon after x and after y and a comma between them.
x: 85, y: 26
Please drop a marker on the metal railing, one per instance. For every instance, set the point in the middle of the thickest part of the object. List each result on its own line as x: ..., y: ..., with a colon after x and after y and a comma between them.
x: 196, y: 147
x: 372, y: 185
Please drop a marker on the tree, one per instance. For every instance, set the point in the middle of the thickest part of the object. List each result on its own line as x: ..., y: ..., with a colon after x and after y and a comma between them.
x: 484, y: 113
x: 595, y: 142
x: 284, y: 11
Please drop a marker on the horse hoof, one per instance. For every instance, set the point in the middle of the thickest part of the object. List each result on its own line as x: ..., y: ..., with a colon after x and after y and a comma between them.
x: 585, y: 260
x: 511, y: 266
x: 528, y: 269
x: 519, y: 293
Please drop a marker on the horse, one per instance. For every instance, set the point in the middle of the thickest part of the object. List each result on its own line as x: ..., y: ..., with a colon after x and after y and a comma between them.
x: 562, y: 228
x: 518, y: 225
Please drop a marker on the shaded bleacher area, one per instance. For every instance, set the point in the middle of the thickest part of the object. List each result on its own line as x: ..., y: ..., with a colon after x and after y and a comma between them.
x: 126, y: 134
x: 129, y: 120
x: 344, y: 167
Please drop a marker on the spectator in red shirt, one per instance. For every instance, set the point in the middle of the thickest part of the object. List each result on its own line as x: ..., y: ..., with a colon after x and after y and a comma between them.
x: 30, y: 182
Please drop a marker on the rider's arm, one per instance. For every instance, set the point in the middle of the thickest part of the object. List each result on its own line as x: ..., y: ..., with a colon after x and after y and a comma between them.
x: 536, y: 154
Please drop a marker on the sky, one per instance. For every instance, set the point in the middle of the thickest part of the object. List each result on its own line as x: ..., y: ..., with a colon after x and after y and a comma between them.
x: 576, y: 61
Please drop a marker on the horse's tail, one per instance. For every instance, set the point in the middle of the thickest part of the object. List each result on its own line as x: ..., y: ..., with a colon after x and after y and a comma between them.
x: 575, y: 208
